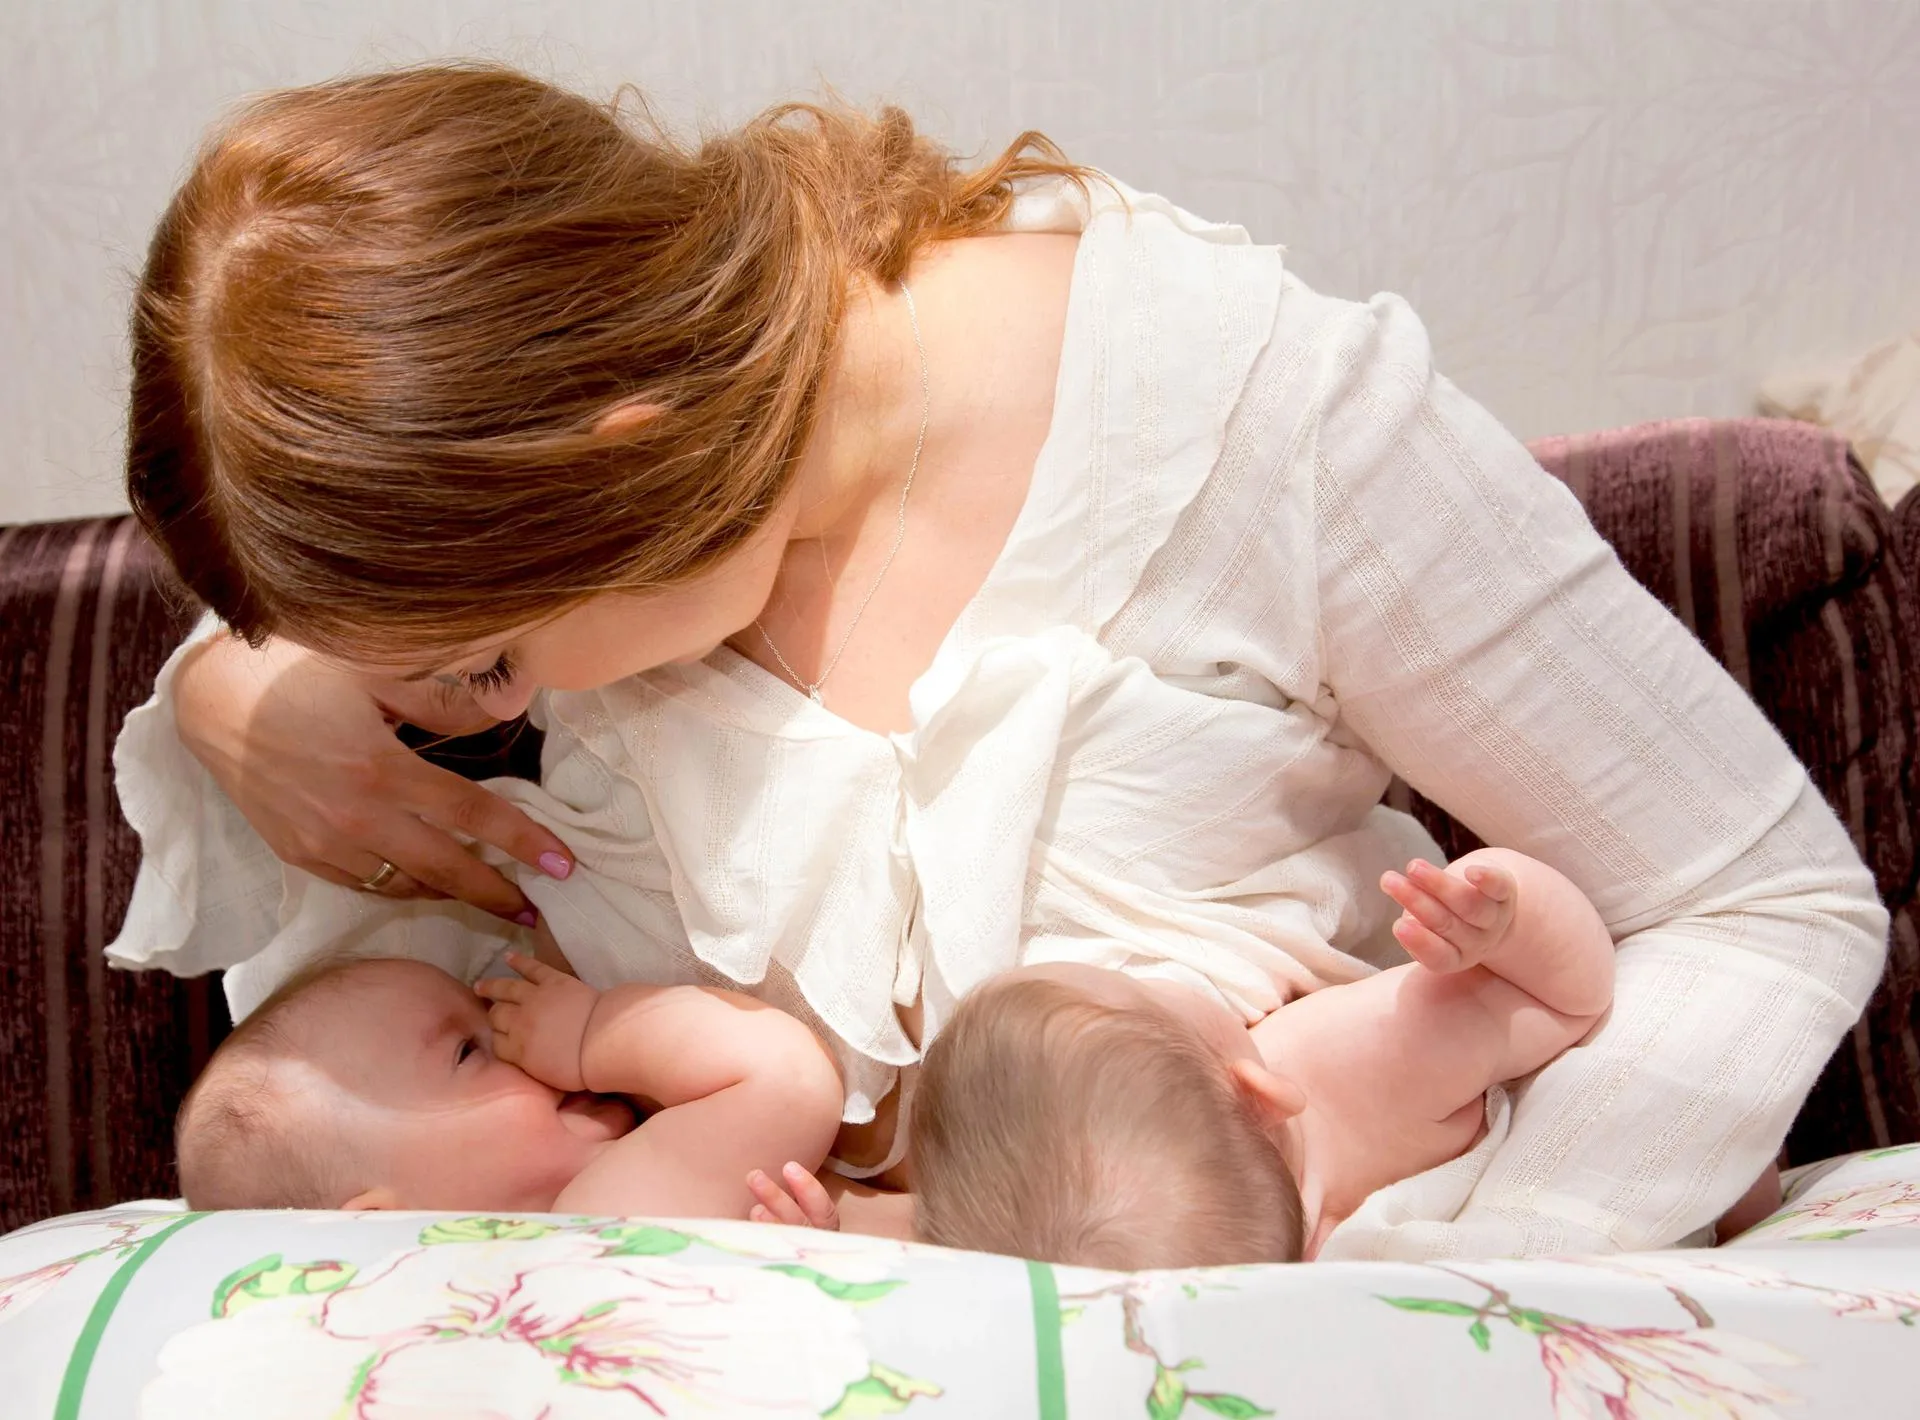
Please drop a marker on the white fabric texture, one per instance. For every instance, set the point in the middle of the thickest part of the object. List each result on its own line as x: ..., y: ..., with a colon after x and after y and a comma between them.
x: 1268, y: 557
x: 1872, y: 401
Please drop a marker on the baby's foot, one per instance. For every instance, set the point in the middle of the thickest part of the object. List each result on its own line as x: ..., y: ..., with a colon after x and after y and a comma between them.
x: 1453, y: 917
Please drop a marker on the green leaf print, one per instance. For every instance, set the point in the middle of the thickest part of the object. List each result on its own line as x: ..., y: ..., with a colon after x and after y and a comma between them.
x: 882, y: 1392
x: 643, y: 1240
x: 1830, y: 1235
x: 1530, y: 1321
x: 472, y: 1230
x: 1478, y: 1331
x: 856, y: 1293
x: 1889, y: 1153
x: 1168, y: 1397
x: 1235, y: 1407
x: 268, y: 1277
x: 1431, y: 1304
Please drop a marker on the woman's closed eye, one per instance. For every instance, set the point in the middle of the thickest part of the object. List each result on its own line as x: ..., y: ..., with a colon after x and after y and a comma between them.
x: 497, y: 676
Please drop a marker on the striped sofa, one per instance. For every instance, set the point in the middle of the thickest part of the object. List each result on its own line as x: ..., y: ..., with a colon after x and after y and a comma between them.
x: 1762, y: 536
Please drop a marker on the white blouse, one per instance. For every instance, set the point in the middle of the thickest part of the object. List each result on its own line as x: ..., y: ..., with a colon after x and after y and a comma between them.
x: 1267, y: 559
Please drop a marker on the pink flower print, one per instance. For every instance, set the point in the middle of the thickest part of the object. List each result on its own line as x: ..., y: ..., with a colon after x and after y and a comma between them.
x: 1894, y: 1204
x: 1864, y: 1303
x: 17, y: 1293
x: 20, y: 1291
x: 1627, y: 1373
x: 1643, y: 1372
x: 548, y: 1329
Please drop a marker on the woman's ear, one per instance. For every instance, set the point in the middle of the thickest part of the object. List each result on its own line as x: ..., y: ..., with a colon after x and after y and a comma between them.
x: 374, y: 1200
x: 627, y: 416
x: 1275, y: 1096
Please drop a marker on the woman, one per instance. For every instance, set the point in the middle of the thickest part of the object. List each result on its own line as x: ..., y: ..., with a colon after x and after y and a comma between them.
x: 920, y: 572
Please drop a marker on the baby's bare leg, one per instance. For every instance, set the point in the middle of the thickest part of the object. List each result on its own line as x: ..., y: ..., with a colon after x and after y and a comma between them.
x: 1513, y: 915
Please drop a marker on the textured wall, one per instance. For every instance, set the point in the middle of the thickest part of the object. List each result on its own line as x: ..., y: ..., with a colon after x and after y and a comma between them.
x: 1606, y: 210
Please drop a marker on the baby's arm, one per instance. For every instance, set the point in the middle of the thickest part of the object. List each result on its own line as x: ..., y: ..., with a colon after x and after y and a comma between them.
x: 1513, y: 965
x: 1514, y: 916
x: 739, y: 1086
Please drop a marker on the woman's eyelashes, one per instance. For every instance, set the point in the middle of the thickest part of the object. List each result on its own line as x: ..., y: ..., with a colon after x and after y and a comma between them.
x: 497, y: 676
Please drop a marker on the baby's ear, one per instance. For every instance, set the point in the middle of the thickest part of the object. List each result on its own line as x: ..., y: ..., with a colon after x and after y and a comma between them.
x: 1274, y: 1096
x: 374, y: 1200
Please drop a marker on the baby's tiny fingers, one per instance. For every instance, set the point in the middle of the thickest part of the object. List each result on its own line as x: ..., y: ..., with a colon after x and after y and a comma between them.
x: 774, y: 1202
x: 1400, y: 888
x: 534, y: 969
x: 1433, y: 952
x: 502, y: 988
x: 1419, y: 904
x: 1496, y: 883
x: 812, y: 1198
x: 1460, y: 896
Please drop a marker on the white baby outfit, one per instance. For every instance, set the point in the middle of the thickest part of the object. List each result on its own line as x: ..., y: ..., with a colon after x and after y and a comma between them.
x: 1266, y: 559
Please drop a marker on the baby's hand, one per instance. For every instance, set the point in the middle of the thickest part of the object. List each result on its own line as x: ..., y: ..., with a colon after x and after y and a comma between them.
x: 540, y: 1023
x: 796, y: 1199
x: 1453, y: 917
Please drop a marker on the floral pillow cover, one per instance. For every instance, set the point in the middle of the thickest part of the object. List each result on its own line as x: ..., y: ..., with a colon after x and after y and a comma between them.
x: 145, y: 1310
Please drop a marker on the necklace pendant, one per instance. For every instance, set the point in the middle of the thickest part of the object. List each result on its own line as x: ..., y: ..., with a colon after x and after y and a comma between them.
x: 813, y: 694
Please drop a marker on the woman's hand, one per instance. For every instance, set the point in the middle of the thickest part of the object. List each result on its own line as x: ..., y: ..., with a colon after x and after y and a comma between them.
x: 306, y: 751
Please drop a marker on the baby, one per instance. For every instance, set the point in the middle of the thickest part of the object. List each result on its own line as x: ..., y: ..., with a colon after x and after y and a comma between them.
x: 383, y: 1083
x: 1082, y: 1115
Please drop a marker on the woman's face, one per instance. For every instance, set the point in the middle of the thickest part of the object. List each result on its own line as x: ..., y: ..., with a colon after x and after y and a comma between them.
x: 611, y: 636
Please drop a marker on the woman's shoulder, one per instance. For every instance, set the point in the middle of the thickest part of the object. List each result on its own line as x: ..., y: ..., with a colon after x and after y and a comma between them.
x: 1101, y: 201
x: 1167, y: 315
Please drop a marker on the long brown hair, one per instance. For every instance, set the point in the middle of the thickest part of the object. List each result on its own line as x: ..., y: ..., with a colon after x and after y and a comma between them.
x: 382, y: 320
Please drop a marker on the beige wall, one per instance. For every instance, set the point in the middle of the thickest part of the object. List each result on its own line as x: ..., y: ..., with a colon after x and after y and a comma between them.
x: 1607, y: 211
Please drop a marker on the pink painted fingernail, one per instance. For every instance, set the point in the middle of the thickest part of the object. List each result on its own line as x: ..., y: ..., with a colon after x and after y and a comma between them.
x: 529, y: 918
x: 555, y: 865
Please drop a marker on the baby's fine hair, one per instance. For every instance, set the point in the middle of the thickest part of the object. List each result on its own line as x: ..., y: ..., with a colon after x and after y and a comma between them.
x: 243, y: 1138
x: 1052, y: 1126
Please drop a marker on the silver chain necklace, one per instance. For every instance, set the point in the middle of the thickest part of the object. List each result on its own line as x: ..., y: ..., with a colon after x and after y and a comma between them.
x: 813, y: 688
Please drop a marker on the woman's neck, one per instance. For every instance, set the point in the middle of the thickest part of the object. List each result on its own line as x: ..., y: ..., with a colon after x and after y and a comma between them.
x: 869, y: 414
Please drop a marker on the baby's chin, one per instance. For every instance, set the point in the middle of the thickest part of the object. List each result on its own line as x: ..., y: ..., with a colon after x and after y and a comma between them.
x: 596, y: 1117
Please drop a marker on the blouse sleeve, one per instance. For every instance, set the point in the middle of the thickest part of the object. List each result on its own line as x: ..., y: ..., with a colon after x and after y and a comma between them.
x: 208, y: 893
x: 1485, y: 642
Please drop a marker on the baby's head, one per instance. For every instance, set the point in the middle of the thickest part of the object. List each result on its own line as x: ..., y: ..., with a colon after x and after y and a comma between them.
x: 1078, y: 1115
x: 372, y: 1083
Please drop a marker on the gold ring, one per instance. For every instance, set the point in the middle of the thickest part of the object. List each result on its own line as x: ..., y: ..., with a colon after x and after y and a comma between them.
x: 379, y: 878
